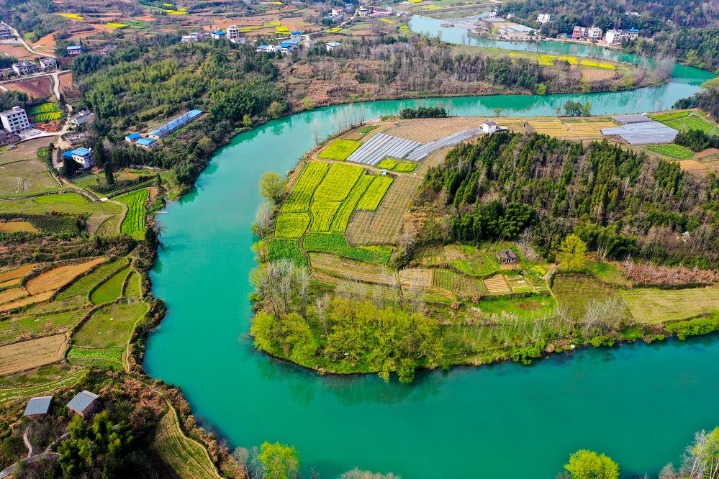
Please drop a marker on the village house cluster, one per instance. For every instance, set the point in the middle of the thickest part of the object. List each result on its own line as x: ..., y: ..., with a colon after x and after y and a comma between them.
x: 611, y: 37
x: 85, y: 404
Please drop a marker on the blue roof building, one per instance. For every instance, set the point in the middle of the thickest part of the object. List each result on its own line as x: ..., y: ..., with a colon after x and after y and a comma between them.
x: 146, y: 142
x: 81, y: 155
x: 133, y: 137
x: 175, y: 124
x: 74, y: 50
x: 633, y: 30
x: 39, y: 405
x: 218, y: 34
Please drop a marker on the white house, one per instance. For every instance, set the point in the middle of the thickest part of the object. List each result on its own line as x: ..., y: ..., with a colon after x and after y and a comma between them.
x: 25, y: 68
x: 234, y: 35
x: 48, y: 63
x: 616, y: 36
x: 83, y: 156
x: 73, y: 50
x: 5, y: 32
x: 489, y: 127
x: 633, y: 33
x: 492, y: 14
x: 218, y: 35
x: 337, y: 12
x: 362, y: 11
x: 332, y: 45
x: 544, y: 18
x: 594, y: 33
x: 80, y: 118
x: 296, y: 36
x: 14, y: 120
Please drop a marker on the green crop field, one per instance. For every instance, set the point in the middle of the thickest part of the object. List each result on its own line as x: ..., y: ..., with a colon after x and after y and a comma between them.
x: 650, y: 305
x: 70, y: 203
x: 336, y: 244
x: 109, y: 326
x: 674, y: 151
x: 291, y: 225
x: 342, y: 218
x: 67, y: 198
x: 339, y: 149
x: 338, y: 182
x: 323, y: 214
x: 388, y: 164
x: 111, y: 289
x: 400, y: 166
x: 133, y: 287
x: 134, y: 222
x: 85, y: 283
x: 111, y: 357
x: 375, y: 192
x: 44, y: 108
x: 56, y: 115
x: 534, y: 306
x: 21, y: 325
x: 301, y: 195
x: 290, y: 249
x: 687, y: 120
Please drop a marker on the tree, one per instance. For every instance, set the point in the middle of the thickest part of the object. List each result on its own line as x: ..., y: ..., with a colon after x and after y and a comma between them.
x: 279, y: 461
x: 585, y: 464
x: 702, y: 458
x: 109, y: 176
x: 272, y: 187
x: 572, y: 252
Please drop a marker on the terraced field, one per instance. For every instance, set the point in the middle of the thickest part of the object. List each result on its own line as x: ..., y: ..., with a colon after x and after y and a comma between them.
x: 134, y: 222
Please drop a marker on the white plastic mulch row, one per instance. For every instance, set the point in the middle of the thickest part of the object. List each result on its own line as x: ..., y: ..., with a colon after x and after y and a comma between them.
x: 382, y: 146
x: 643, y: 133
x: 425, y: 150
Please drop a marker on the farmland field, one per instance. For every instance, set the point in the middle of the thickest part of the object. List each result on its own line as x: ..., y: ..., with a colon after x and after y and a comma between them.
x: 26, y: 301
x: 69, y: 203
x: 323, y: 214
x: 25, y: 325
x: 34, y: 389
x: 291, y: 225
x: 61, y: 276
x: 458, y: 284
x: 31, y: 354
x: 338, y: 183
x: 376, y: 191
x: 17, y: 226
x: 22, y: 178
x: 336, y: 244
x: 340, y: 149
x: 649, y: 305
x: 111, y: 357
x: 134, y: 222
x: 110, y: 326
x: 342, y: 218
x: 497, y: 284
x: 40, y: 87
x: 574, y: 292
x: 301, y: 195
x: 383, y: 225
x: 687, y: 120
x: 111, y: 289
x: 87, y: 282
x: 674, y: 151
x: 16, y: 273
x: 290, y: 249
x: 187, y: 458
x: 133, y: 287
x: 351, y: 269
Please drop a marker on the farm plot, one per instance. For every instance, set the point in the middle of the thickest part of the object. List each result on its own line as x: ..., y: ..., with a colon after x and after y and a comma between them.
x: 12, y: 294
x: 301, y: 195
x: 375, y: 192
x: 291, y: 225
x: 110, y: 357
x: 67, y: 203
x: 574, y: 129
x: 57, y: 278
x: 323, y: 214
x: 25, y: 355
x: 497, y: 284
x: 687, y: 120
x: 649, y: 305
x: 25, y: 326
x: 383, y: 225
x: 339, y: 149
x: 111, y: 289
x: 416, y: 277
x: 14, y: 393
x: 109, y: 326
x: 351, y: 269
x: 23, y: 178
x: 335, y: 243
x: 17, y: 227
x: 671, y: 150
x: 134, y: 222
x: 342, y: 218
x: 457, y: 284
x: 90, y: 280
x: 290, y: 249
x: 187, y: 458
x: 338, y: 183
x: 575, y: 292
x: 40, y: 87
x: 425, y: 150
x: 428, y: 130
x: 399, y: 166
x: 26, y: 301
x: 13, y: 276
x: 133, y: 286
x: 45, y: 112
x: 519, y: 284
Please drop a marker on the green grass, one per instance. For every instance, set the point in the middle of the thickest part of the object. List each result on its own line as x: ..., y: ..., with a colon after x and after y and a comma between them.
x: 111, y: 289
x: 108, y: 357
x: 290, y: 249
x: 366, y: 129
x: 68, y: 203
x: 14, y: 327
x: 335, y: 243
x: 323, y: 214
x: 342, y: 218
x: 291, y: 225
x: 13, y: 393
x: 109, y: 326
x: 85, y: 283
x: 134, y: 222
x: 686, y: 120
x: 44, y: 108
x: 651, y: 305
x: 338, y: 183
x: 534, y: 306
x: 673, y: 151
x: 339, y: 149
x: 374, y: 194
x: 574, y: 292
x: 387, y: 164
x: 61, y: 198
x: 301, y: 196
x: 133, y: 288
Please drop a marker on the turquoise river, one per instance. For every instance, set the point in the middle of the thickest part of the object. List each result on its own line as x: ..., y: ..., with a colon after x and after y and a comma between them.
x: 639, y: 403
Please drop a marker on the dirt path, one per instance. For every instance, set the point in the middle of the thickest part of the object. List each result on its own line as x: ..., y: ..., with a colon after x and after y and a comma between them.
x: 24, y: 43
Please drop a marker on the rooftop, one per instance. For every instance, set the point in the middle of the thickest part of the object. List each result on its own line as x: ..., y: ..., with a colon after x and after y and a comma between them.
x: 133, y: 136
x: 75, y: 47
x: 643, y: 133
x: 81, y: 152
x: 38, y: 405
x: 146, y: 141
x: 82, y: 401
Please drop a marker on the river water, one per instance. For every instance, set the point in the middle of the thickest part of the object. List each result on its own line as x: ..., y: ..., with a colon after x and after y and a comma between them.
x: 640, y: 404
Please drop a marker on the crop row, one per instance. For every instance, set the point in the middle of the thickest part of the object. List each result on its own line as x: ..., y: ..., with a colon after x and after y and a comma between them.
x: 323, y: 215
x: 44, y: 108
x: 335, y: 243
x: 291, y: 225
x: 375, y: 192
x: 301, y: 196
x: 339, y: 149
x: 342, y: 218
x: 134, y: 222
x: 338, y: 183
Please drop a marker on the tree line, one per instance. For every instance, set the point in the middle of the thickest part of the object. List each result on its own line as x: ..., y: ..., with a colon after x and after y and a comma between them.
x: 506, y: 185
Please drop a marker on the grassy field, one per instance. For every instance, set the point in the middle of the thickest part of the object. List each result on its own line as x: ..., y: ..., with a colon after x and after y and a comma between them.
x: 134, y: 222
x: 111, y: 289
x: 185, y: 456
x: 108, y: 357
x: 335, y: 243
x: 399, y: 166
x: 133, y: 288
x: 69, y: 203
x: 574, y: 292
x: 110, y: 326
x: 87, y: 282
x: 339, y: 150
x: 687, y: 120
x: 23, y: 178
x: 677, y: 152
x: 458, y: 284
x: 650, y: 305
x: 535, y: 306
x: 18, y: 392
x: 24, y: 325
x: 290, y: 249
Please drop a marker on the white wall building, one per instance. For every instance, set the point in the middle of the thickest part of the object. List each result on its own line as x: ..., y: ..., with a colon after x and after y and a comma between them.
x: 234, y: 35
x: 14, y: 120
x: 544, y: 18
x: 594, y: 33
x: 489, y: 127
x: 24, y: 68
x: 5, y: 32
x: 616, y: 36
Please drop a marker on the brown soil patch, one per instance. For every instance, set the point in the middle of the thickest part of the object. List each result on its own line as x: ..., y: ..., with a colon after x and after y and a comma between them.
x: 46, y: 43
x: 497, y: 285
x: 32, y: 354
x: 11, y: 295
x: 713, y: 152
x: 56, y: 278
x: 16, y: 273
x: 692, y: 166
x: 21, y: 303
x: 34, y: 88
x: 17, y: 51
x: 596, y: 74
x: 421, y: 278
